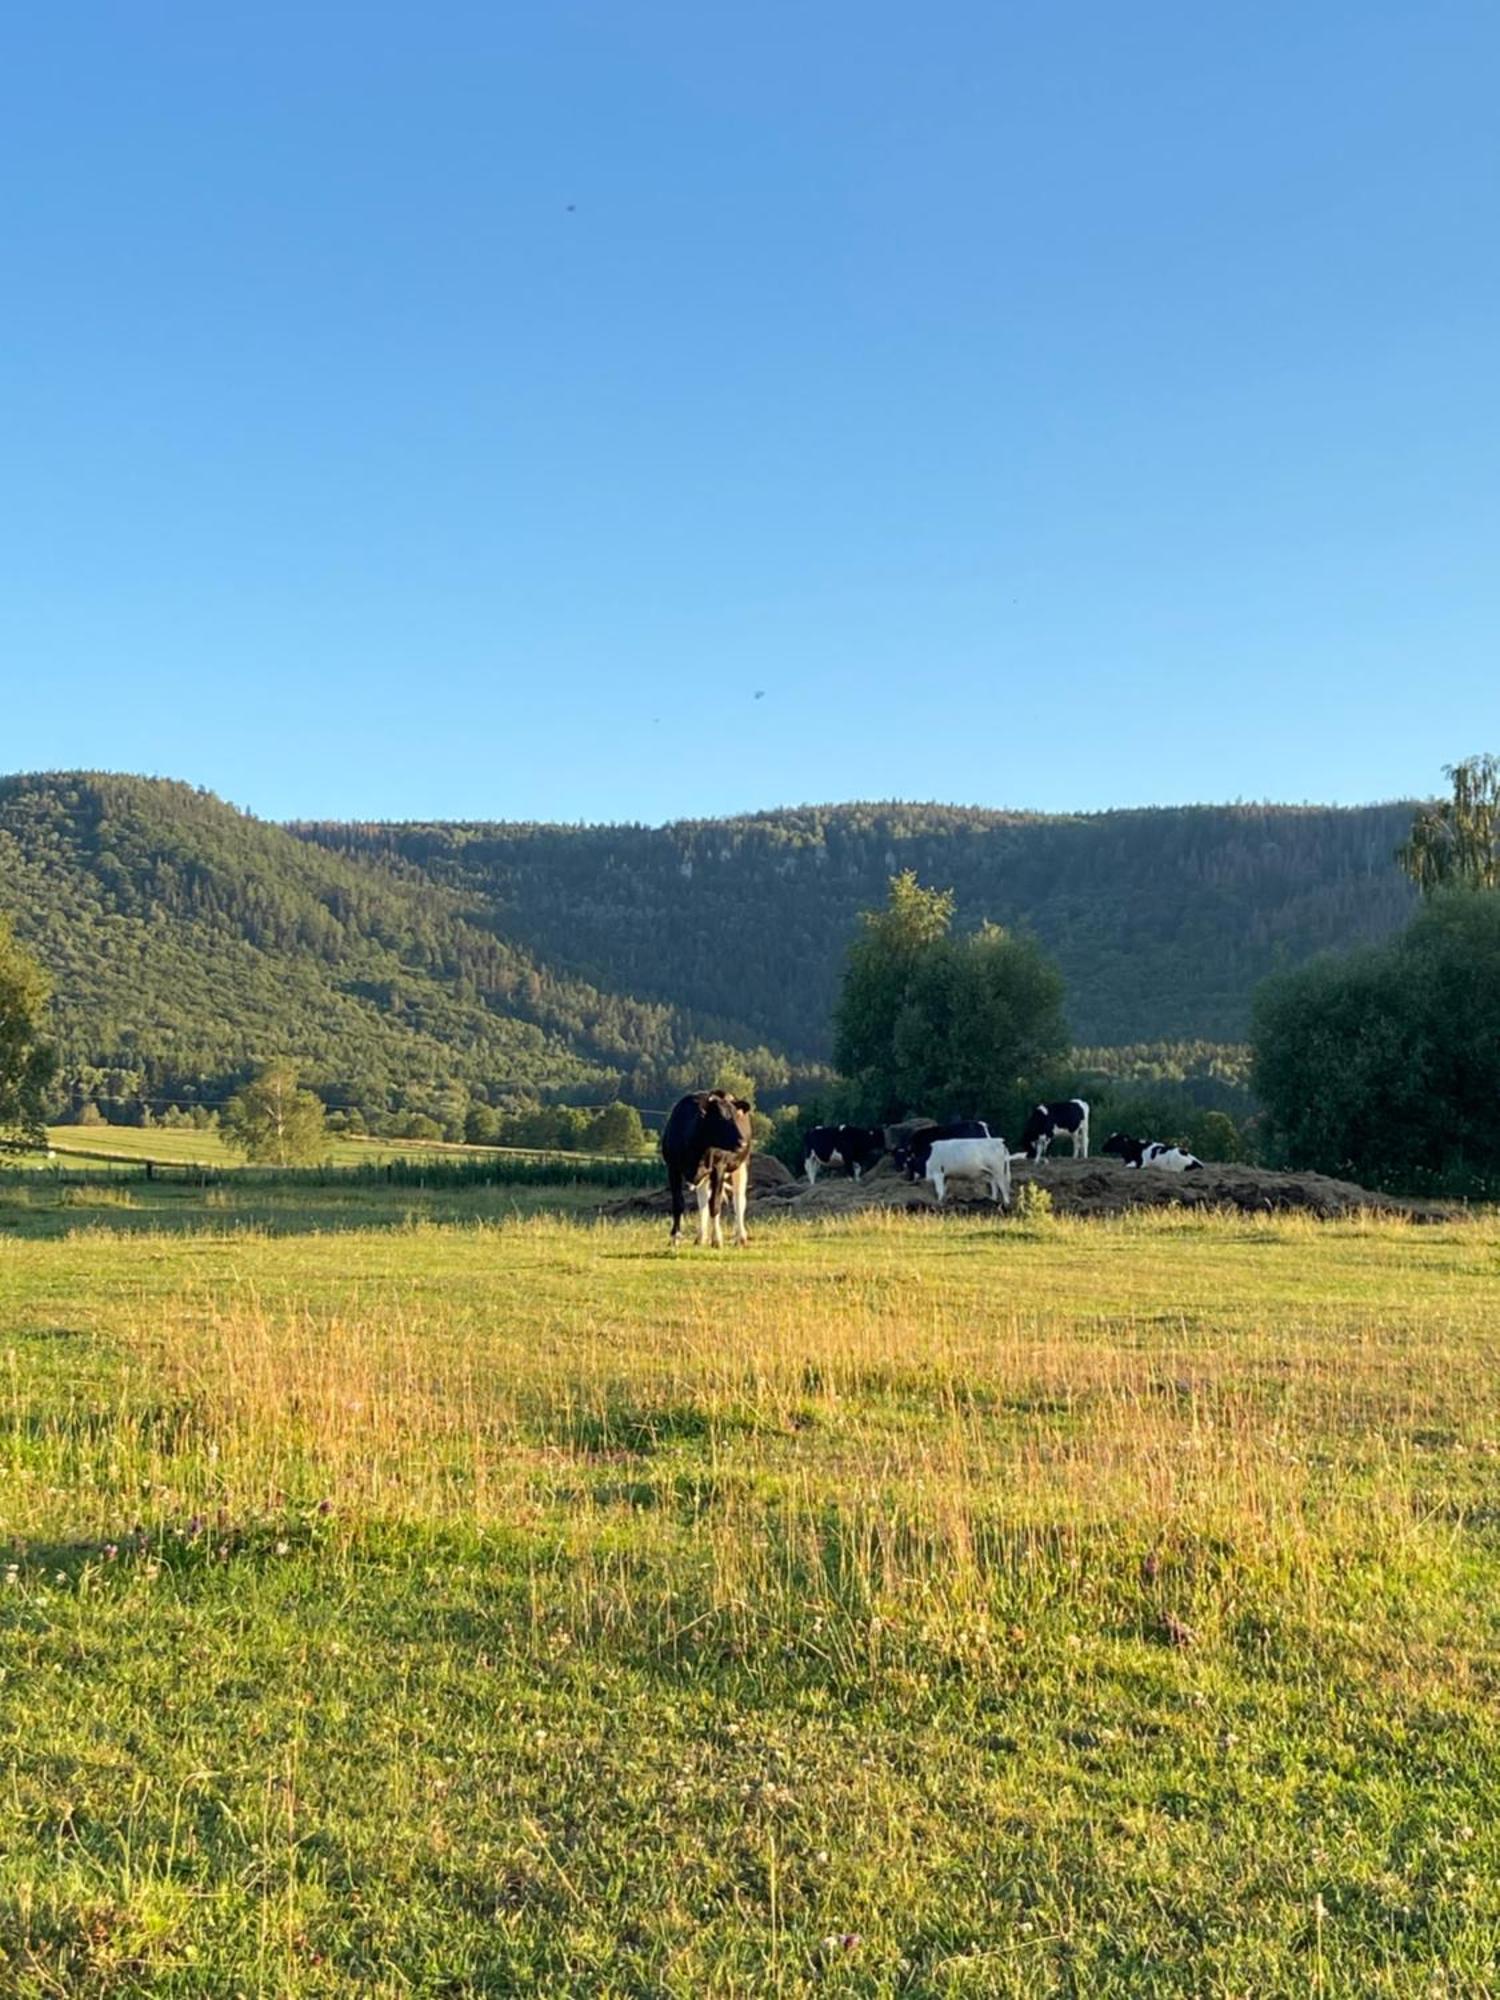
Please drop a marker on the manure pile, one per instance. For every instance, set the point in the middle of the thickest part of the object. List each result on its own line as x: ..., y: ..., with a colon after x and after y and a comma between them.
x: 1077, y: 1187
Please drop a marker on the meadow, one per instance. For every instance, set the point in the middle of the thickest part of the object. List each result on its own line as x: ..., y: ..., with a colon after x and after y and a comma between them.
x: 445, y: 1592
x: 127, y: 1145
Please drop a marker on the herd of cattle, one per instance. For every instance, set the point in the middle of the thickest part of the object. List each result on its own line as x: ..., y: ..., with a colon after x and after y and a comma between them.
x: 707, y: 1137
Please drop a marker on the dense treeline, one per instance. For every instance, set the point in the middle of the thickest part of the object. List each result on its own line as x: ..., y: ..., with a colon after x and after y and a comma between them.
x: 188, y: 945
x: 415, y: 974
x: 1161, y: 922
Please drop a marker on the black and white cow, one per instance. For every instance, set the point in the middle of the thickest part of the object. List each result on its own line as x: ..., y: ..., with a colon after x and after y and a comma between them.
x: 1151, y: 1153
x: 911, y: 1156
x: 855, y: 1148
x: 1048, y: 1121
x: 706, y: 1144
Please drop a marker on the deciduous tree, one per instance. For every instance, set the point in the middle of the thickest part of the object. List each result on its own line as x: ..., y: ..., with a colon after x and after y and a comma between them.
x: 1383, y: 1065
x: 940, y: 1024
x: 27, y: 1061
x: 1455, y: 843
x: 274, y: 1122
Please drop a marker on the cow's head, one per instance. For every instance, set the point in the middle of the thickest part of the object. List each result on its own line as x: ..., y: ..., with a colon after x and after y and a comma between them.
x: 1120, y: 1144
x: 726, y: 1121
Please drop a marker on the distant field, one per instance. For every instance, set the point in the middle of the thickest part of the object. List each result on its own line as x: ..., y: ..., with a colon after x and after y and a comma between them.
x: 430, y: 1594
x: 173, y: 1144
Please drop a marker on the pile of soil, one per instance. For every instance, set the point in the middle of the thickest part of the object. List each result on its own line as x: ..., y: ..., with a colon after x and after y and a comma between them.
x: 1077, y: 1187
x: 769, y: 1181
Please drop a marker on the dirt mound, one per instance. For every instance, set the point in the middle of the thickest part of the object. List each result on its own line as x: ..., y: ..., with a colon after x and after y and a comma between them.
x: 1105, y: 1187
x: 1077, y: 1187
x: 769, y: 1179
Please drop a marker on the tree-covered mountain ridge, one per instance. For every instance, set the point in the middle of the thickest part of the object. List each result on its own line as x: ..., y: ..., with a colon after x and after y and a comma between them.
x: 1162, y: 919
x: 188, y: 942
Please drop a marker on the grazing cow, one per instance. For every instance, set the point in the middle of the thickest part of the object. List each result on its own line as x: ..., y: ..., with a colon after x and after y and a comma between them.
x: 1047, y: 1121
x: 911, y: 1157
x: 1151, y: 1153
x: 856, y: 1148
x: 988, y: 1157
x: 706, y: 1143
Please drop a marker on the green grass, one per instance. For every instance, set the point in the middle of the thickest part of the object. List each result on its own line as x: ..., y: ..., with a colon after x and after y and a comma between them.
x: 442, y: 1598
x: 176, y: 1145
x: 184, y: 1146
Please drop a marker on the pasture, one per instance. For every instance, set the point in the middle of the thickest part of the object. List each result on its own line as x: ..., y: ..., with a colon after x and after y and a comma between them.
x: 439, y: 1593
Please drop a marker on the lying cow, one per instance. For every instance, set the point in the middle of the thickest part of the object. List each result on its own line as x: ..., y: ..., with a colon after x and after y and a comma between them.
x: 1048, y: 1121
x: 855, y: 1148
x: 1151, y: 1153
x: 911, y: 1157
x: 989, y: 1158
x: 706, y: 1145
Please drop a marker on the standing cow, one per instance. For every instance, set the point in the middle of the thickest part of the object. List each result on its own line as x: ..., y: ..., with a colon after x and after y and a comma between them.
x: 705, y: 1144
x: 855, y: 1148
x: 1048, y: 1121
x: 987, y: 1158
x: 910, y: 1156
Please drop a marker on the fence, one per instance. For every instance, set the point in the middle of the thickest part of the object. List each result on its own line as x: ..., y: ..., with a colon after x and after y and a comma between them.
x: 491, y: 1170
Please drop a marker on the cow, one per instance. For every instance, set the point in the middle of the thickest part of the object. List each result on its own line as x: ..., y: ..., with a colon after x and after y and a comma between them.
x: 855, y: 1148
x: 706, y: 1143
x: 911, y: 1155
x: 1151, y: 1153
x: 989, y: 1157
x: 1047, y: 1121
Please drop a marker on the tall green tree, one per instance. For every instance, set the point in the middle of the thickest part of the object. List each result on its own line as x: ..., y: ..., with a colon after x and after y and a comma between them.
x: 27, y: 1061
x: 1383, y: 1065
x: 1455, y: 843
x: 934, y: 1023
x: 273, y: 1122
x: 880, y: 973
x: 616, y: 1129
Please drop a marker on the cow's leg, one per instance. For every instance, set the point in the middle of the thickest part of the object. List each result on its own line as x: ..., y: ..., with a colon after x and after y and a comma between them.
x: 1081, y: 1140
x: 739, y: 1181
x: 939, y: 1183
x: 674, y: 1177
x: 810, y: 1168
x: 701, y: 1191
x: 716, y: 1204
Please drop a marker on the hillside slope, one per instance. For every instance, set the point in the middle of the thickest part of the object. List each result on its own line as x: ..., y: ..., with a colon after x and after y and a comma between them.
x: 188, y: 942
x: 1163, y: 921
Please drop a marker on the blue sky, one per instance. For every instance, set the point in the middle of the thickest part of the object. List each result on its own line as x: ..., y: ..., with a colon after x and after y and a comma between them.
x: 462, y: 411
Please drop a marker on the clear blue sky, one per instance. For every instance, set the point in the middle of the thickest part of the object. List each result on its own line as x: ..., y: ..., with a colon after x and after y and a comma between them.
x: 462, y: 409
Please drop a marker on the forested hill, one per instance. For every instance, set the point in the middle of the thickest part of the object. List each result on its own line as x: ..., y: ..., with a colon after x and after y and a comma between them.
x: 1163, y: 921
x: 187, y: 943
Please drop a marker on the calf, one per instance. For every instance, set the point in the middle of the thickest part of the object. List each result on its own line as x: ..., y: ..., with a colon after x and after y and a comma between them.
x: 1151, y: 1153
x: 987, y: 1157
x: 706, y: 1144
x: 911, y: 1157
x: 856, y: 1148
x: 1047, y: 1121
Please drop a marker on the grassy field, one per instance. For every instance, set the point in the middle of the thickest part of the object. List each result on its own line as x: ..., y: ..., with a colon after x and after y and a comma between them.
x: 436, y: 1595
x: 184, y: 1146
